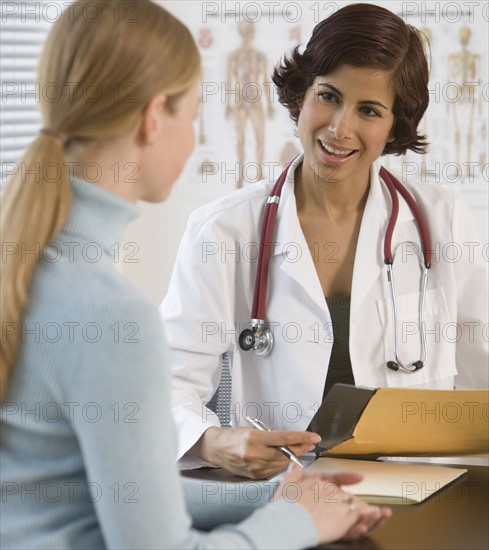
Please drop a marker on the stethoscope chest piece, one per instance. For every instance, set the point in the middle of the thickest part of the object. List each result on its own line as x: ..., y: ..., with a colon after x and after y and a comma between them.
x: 259, y: 338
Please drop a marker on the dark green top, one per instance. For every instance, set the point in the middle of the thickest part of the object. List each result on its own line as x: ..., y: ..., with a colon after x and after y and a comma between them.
x: 340, y: 370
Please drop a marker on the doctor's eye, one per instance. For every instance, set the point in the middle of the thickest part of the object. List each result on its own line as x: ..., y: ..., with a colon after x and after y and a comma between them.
x: 327, y: 97
x: 369, y: 112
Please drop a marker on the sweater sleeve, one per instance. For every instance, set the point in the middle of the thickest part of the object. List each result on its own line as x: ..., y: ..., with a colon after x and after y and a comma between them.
x: 128, y: 443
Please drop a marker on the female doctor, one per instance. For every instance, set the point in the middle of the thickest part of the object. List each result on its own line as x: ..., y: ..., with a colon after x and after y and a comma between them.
x: 357, y: 92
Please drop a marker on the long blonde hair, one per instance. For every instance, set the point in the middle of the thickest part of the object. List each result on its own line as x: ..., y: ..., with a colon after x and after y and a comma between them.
x: 103, y: 61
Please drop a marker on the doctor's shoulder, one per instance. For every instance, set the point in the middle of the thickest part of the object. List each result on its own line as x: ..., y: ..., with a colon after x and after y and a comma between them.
x: 238, y: 212
x: 434, y: 197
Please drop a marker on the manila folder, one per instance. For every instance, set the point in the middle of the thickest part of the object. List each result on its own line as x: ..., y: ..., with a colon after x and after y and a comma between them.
x: 388, y: 482
x: 420, y: 422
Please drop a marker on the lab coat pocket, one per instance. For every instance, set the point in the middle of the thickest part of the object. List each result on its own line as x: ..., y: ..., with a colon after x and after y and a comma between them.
x: 440, y: 337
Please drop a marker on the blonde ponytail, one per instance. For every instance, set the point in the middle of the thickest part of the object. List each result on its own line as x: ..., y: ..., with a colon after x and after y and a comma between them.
x: 128, y: 57
x: 33, y: 208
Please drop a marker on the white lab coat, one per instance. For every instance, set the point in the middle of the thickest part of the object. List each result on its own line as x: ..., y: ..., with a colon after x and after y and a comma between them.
x: 211, y: 292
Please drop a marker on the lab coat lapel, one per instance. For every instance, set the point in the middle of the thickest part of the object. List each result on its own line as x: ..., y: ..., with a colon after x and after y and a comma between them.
x: 298, y: 263
x: 369, y: 256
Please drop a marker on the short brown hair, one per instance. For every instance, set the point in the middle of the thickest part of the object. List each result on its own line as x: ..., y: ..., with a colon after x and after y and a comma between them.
x: 364, y: 35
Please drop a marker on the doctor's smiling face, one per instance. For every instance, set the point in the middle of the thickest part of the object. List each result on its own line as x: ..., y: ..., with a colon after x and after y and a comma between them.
x: 344, y: 123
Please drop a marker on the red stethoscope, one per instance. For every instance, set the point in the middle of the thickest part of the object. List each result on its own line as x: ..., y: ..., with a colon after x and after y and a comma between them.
x: 259, y: 337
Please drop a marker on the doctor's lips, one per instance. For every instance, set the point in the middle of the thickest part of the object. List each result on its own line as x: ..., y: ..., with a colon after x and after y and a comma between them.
x: 335, y: 151
x: 332, y: 155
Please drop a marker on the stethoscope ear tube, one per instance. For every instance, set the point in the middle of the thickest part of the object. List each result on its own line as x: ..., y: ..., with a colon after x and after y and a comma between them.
x: 397, y: 365
x: 268, y: 226
x: 388, y: 256
x: 394, y: 186
x: 260, y: 337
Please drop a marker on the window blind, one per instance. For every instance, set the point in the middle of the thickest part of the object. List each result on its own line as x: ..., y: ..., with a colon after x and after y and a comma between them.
x: 24, y: 27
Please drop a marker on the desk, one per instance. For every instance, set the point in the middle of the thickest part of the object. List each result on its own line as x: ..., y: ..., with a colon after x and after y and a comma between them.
x: 455, y: 518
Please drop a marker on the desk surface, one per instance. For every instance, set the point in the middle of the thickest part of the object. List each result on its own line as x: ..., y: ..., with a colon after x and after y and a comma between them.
x: 455, y: 518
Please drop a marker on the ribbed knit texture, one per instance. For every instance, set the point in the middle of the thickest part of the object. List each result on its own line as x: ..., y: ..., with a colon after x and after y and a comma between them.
x: 87, y: 441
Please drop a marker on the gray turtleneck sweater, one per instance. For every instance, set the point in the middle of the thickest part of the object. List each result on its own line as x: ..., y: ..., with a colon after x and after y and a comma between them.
x: 88, y: 445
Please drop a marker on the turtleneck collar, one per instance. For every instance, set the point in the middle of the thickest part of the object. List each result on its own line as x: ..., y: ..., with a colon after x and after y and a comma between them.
x: 98, y: 215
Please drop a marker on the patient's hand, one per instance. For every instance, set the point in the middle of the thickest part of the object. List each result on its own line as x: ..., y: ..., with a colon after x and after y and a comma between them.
x: 336, y: 513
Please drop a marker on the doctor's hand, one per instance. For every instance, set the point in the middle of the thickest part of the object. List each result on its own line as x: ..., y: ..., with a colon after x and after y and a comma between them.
x: 251, y: 453
x: 336, y: 513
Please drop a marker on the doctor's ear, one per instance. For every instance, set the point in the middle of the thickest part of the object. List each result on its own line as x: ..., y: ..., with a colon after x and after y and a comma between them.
x: 391, y: 137
x: 152, y: 119
x: 298, y: 107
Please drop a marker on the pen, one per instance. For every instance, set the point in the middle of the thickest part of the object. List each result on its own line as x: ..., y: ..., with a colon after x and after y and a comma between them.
x: 259, y: 425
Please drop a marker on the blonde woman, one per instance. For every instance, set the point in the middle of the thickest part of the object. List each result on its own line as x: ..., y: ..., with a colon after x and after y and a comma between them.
x: 88, y: 446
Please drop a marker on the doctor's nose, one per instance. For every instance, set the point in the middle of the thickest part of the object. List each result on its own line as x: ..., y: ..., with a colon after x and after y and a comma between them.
x: 341, y: 126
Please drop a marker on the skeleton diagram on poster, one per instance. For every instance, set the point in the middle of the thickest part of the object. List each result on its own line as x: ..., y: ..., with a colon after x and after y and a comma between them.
x: 247, y: 74
x: 463, y: 69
